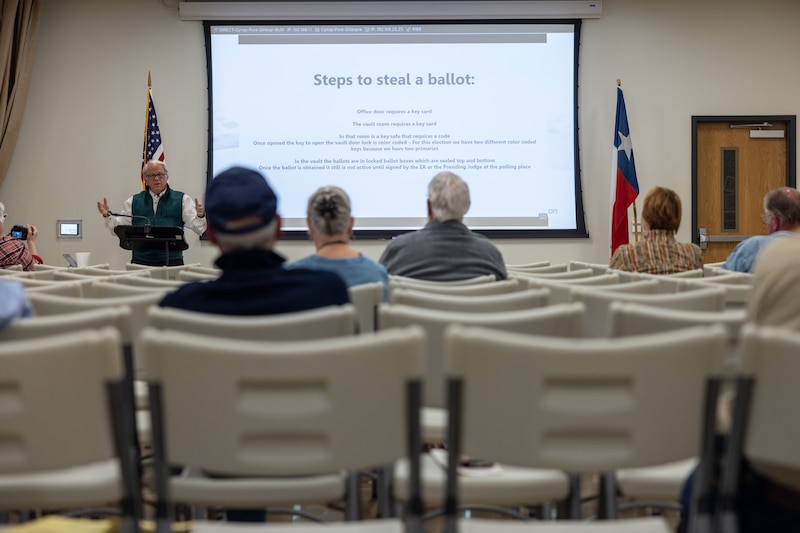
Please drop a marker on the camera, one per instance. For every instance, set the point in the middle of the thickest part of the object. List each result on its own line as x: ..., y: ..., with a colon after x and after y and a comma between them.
x: 20, y: 232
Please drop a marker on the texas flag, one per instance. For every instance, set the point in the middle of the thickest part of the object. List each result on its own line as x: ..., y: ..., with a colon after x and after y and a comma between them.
x: 626, y: 187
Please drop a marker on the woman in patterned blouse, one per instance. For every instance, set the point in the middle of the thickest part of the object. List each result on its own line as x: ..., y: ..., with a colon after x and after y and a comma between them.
x: 658, y: 252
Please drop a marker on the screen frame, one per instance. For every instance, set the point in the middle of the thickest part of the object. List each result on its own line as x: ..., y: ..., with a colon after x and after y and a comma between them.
x: 292, y: 233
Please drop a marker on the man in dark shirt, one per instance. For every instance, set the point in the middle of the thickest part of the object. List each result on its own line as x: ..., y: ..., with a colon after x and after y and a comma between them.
x: 445, y: 249
x: 241, y: 209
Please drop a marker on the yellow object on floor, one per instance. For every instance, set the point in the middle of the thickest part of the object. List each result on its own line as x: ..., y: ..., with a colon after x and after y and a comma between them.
x: 62, y: 524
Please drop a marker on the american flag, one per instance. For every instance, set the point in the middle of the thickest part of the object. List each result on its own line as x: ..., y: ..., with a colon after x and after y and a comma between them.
x: 152, y: 149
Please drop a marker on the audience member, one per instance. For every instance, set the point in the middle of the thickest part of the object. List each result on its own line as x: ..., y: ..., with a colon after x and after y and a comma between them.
x: 445, y: 249
x: 770, y: 495
x: 330, y: 226
x: 15, y: 251
x: 659, y: 252
x: 13, y: 302
x: 782, y: 218
x: 243, y: 222
x: 157, y: 205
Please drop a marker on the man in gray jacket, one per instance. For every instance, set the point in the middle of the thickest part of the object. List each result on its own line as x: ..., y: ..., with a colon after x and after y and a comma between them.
x: 445, y: 249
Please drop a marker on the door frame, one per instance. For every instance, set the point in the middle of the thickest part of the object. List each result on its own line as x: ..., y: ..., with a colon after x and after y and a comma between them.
x: 791, y: 151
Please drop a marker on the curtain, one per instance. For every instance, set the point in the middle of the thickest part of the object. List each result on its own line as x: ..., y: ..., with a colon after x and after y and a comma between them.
x: 19, y: 27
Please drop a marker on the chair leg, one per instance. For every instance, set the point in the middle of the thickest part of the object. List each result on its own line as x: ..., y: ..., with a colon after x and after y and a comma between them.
x: 352, y: 500
x: 383, y: 489
x: 607, y: 502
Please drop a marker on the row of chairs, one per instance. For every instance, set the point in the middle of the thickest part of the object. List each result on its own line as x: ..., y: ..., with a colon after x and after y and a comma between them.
x: 295, y: 409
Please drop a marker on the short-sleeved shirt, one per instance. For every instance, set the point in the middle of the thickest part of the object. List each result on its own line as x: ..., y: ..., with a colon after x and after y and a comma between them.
x: 353, y: 270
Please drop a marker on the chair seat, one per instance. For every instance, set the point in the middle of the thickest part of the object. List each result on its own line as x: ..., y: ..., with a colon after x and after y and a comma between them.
x: 434, y: 424
x: 84, y: 486
x: 513, y: 485
x: 367, y: 526
x: 628, y: 525
x: 253, y: 492
x: 663, y: 482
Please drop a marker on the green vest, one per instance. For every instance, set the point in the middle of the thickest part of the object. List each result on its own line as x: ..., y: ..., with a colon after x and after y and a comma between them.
x: 170, y: 213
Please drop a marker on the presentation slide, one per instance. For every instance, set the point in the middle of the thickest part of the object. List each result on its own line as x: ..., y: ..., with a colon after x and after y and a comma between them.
x: 378, y: 110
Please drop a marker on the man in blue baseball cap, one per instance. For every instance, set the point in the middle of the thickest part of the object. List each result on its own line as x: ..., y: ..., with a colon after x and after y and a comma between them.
x: 241, y: 210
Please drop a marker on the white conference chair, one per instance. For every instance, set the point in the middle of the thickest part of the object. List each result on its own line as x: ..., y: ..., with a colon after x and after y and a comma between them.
x: 598, y: 300
x: 568, y: 275
x: 64, y: 288
x: 765, y: 431
x: 513, y: 301
x: 161, y: 272
x: 561, y: 289
x: 557, y: 267
x: 105, y: 288
x: 584, y: 406
x: 284, y: 421
x: 660, y: 486
x: 194, y: 275
x: 597, y: 268
x: 66, y: 442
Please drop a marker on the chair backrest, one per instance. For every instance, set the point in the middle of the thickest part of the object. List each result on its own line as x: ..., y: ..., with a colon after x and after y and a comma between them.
x: 320, y: 323
x: 192, y: 275
x: 53, y: 380
x: 366, y: 298
x: 161, y: 272
x: 581, y: 405
x: 40, y: 326
x: 512, y: 301
x: 485, y: 278
x: 597, y: 302
x: 283, y: 408
x: 737, y: 294
x: 51, y: 304
x: 568, y: 275
x: 523, y: 266
x: 496, y: 287
x: 64, y: 288
x: 627, y: 319
x: 597, y: 268
x: 143, y: 281
x: 558, y: 320
x: 561, y: 289
x: 557, y: 267
x: 104, y: 288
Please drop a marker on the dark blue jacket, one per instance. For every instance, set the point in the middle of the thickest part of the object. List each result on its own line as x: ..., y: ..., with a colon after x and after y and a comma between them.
x: 254, y: 282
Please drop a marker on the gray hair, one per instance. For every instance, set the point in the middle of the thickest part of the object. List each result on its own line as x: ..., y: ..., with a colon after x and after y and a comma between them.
x: 784, y: 203
x: 329, y: 210
x: 262, y: 238
x: 155, y: 162
x: 449, y: 197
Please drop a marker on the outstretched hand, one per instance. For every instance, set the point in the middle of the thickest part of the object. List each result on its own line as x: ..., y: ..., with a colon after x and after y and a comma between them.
x: 201, y: 212
x: 103, y: 207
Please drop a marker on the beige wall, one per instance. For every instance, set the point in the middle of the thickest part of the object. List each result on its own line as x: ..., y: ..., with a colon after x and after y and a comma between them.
x: 82, y: 133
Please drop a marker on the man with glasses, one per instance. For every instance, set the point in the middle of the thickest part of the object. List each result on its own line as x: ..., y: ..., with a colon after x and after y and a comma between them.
x: 14, y: 251
x: 782, y: 218
x: 157, y: 205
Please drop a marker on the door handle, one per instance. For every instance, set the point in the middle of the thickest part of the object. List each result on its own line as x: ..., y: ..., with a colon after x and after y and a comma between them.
x: 705, y: 238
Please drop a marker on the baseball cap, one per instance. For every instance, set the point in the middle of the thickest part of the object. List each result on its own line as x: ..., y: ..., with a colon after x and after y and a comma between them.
x: 239, y: 200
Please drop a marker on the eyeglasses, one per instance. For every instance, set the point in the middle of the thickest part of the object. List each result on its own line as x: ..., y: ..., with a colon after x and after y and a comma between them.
x: 160, y: 175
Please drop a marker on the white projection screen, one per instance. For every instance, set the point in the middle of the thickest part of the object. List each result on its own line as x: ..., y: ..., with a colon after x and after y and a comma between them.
x: 379, y: 108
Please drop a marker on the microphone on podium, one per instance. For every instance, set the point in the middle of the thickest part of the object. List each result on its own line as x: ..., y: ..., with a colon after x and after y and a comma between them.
x: 133, y: 217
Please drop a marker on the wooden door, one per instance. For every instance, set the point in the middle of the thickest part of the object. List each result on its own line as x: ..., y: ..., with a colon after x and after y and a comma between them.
x: 733, y: 170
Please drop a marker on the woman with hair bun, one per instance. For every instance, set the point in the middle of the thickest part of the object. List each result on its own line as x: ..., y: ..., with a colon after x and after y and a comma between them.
x: 330, y: 226
x: 659, y: 252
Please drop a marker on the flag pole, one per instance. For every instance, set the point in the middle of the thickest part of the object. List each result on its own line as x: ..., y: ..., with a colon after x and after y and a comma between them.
x: 146, y: 121
x: 635, y: 217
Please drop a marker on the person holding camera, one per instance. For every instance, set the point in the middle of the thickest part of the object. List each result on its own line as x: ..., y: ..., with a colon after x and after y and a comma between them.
x: 18, y: 247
